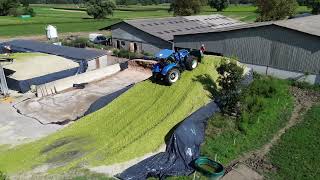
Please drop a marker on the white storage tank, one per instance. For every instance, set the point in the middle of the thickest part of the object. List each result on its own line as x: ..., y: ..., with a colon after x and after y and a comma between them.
x: 52, y: 32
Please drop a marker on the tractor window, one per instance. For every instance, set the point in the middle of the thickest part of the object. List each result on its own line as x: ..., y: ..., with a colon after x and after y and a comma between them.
x: 171, y: 59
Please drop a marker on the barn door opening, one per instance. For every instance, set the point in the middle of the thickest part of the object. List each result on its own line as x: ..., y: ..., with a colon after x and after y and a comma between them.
x: 135, y: 47
x: 118, y: 44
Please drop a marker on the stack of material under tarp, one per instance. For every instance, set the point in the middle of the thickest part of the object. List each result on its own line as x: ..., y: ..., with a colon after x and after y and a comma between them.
x: 182, y: 149
x: 29, y: 69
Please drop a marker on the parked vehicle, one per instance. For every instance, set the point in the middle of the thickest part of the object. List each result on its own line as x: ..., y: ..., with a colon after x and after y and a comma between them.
x: 99, y: 39
x: 172, y: 63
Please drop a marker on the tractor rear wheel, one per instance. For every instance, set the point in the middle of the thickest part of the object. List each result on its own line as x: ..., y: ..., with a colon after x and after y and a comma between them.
x: 191, y: 63
x: 172, y: 76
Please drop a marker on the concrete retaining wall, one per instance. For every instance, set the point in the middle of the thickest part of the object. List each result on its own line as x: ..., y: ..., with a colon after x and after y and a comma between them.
x: 282, y: 74
x: 98, y: 63
x: 67, y: 83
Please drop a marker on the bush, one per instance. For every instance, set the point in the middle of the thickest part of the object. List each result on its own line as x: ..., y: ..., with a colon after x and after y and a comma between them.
x: 253, y: 100
x: 127, y: 54
x: 23, y: 11
x: 99, y: 9
x: 115, y: 52
x: 230, y: 78
x: 29, y: 11
x: 78, y: 42
x: 8, y: 6
x: 271, y: 10
x: 265, y: 87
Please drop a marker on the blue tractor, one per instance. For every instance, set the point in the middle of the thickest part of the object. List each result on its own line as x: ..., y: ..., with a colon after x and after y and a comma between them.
x: 171, y: 64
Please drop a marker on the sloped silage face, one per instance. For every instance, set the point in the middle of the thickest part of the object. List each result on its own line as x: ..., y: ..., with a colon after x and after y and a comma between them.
x: 134, y: 124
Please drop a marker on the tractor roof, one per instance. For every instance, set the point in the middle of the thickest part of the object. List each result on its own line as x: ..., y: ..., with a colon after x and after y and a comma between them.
x: 163, y: 54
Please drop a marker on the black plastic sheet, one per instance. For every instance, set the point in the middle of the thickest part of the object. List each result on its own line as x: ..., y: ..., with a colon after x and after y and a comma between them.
x: 182, y: 149
x: 25, y: 85
x: 105, y: 100
x: 76, y: 54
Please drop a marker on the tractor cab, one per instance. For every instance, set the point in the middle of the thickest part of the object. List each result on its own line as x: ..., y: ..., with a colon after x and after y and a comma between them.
x: 171, y: 64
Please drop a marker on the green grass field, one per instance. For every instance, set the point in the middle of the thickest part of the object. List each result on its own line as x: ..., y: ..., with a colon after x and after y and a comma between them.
x: 297, y: 154
x: 226, y: 142
x: 131, y: 126
x: 79, y: 21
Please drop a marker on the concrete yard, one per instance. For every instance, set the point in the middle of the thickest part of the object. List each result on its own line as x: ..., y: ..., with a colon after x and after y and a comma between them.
x: 73, y: 104
x: 16, y: 129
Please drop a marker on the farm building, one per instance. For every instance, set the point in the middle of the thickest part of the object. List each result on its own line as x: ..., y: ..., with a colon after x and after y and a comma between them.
x: 285, y: 49
x: 151, y: 35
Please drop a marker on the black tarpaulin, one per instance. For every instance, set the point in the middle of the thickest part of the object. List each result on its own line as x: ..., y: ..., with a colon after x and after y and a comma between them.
x: 76, y: 54
x: 182, y: 149
x: 105, y: 100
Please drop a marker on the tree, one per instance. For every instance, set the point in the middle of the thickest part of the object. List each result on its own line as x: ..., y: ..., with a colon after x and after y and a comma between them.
x: 7, y: 6
x: 99, y: 9
x: 25, y: 3
x: 270, y: 10
x: 220, y: 5
x: 230, y: 78
x: 315, y: 5
x: 185, y: 8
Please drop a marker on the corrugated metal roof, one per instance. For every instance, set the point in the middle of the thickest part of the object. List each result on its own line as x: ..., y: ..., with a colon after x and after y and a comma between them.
x: 309, y: 24
x: 166, y: 28
x: 77, y: 54
x: 236, y: 27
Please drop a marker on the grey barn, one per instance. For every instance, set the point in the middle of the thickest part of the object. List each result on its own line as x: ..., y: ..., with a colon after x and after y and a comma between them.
x: 286, y: 49
x: 151, y: 35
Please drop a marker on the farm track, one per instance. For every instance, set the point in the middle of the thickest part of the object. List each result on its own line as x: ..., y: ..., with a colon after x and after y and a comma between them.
x: 257, y: 160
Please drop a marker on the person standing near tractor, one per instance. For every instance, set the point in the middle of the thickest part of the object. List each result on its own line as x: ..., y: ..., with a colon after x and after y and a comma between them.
x: 202, y: 50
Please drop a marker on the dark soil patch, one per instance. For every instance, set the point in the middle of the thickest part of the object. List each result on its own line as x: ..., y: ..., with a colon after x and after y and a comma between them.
x: 59, y: 143
x: 260, y: 165
x: 65, y: 156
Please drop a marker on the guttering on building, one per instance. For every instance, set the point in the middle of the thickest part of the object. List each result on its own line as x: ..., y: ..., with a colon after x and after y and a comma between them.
x: 286, y: 49
x: 151, y: 35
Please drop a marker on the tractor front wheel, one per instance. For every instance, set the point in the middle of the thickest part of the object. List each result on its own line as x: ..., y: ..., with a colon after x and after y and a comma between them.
x: 172, y: 76
x: 155, y: 77
x: 191, y: 63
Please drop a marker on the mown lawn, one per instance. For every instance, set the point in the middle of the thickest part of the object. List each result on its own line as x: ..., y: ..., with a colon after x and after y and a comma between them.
x: 297, y: 154
x: 131, y: 126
